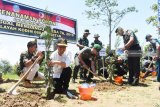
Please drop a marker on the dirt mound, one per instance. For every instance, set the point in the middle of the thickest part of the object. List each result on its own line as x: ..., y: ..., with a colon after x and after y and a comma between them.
x: 105, y: 86
x: 22, y: 100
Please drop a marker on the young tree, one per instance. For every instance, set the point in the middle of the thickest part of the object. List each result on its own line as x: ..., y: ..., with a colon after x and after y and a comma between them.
x: 5, y: 66
x: 47, y: 36
x: 107, y: 13
x: 153, y: 19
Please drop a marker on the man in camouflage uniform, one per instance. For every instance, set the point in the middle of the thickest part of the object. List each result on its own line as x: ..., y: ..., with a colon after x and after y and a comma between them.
x: 82, y: 42
x: 131, y: 44
x: 87, y: 57
x: 26, y: 60
x: 96, y: 41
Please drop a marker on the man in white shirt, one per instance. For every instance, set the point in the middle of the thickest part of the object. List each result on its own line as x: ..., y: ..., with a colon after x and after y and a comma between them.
x: 61, y: 70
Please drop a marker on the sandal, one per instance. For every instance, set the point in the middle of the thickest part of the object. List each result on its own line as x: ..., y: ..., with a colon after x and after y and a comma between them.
x: 27, y: 84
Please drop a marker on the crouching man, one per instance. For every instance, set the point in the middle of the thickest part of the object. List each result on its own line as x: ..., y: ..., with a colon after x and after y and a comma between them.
x: 61, y: 70
x: 26, y: 60
x: 86, y: 57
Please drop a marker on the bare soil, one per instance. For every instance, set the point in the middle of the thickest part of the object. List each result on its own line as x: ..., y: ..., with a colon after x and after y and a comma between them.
x: 105, y: 95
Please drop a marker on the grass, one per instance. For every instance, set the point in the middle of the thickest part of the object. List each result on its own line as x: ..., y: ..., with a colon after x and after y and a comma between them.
x: 10, y: 76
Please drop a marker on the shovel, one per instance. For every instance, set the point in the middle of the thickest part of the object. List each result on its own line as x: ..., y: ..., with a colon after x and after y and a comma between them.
x: 94, y: 73
x: 11, y: 90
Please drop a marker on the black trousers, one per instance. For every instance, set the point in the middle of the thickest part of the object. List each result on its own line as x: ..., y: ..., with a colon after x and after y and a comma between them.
x: 98, y: 64
x: 134, y: 68
x: 134, y: 63
x: 75, y: 71
x: 62, y: 83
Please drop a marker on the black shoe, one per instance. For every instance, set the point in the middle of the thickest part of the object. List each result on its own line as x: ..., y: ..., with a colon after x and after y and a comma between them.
x: 52, y: 95
x: 81, y: 76
x: 130, y: 82
x: 89, y: 80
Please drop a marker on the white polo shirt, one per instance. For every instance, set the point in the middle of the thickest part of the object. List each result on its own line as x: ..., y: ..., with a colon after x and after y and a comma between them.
x: 57, y: 69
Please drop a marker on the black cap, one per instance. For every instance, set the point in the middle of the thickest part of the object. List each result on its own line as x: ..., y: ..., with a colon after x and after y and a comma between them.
x: 31, y: 43
x: 148, y: 35
x: 61, y: 42
x: 86, y: 31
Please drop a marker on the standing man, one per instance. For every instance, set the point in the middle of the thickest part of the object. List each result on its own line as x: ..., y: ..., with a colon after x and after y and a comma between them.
x: 82, y: 42
x: 99, y: 61
x: 131, y: 44
x: 61, y: 70
x: 26, y: 60
x: 96, y: 40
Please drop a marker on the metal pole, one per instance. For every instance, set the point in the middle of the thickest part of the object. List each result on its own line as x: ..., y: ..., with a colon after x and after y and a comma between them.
x: 103, y: 64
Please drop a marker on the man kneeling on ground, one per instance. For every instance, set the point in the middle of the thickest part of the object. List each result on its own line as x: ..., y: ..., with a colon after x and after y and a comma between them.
x: 26, y: 60
x: 61, y: 70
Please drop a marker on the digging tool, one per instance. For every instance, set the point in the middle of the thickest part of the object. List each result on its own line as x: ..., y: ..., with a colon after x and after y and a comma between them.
x: 149, y: 66
x: 94, y: 73
x: 11, y: 90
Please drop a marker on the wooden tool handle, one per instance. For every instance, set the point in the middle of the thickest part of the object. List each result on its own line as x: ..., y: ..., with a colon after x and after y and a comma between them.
x: 94, y: 73
x: 14, y: 86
